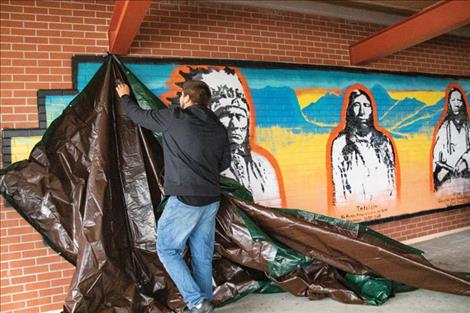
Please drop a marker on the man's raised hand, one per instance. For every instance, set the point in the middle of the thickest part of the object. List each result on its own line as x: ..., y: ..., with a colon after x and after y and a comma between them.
x: 123, y: 89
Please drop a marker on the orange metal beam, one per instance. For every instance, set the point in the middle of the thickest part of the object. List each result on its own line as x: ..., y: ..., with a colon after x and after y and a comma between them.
x: 432, y: 21
x: 125, y: 23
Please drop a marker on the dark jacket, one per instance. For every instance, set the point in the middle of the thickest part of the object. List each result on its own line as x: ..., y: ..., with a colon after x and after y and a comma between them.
x: 195, y: 146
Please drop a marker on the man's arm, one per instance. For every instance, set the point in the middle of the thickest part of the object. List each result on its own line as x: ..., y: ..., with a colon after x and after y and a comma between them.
x: 155, y: 120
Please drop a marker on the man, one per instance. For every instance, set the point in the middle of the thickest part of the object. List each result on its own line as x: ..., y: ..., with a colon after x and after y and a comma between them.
x: 196, y: 149
x: 362, y: 157
x: 451, y: 151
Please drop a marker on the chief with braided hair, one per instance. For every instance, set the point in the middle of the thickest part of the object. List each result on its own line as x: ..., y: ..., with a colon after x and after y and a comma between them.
x: 252, y: 167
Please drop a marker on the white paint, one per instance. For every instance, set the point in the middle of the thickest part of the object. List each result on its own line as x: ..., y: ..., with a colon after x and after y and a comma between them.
x: 365, y: 178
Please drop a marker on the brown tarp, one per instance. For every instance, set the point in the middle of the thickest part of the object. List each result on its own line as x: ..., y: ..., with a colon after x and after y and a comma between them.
x: 93, y: 188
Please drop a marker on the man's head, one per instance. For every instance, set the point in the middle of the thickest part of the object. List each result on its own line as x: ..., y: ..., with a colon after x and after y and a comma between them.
x: 359, y: 115
x: 229, y: 103
x: 455, y: 101
x: 457, y: 106
x: 195, y: 92
x: 235, y: 121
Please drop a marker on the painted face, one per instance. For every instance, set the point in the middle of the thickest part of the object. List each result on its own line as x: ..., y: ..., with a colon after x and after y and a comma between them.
x: 456, y: 102
x: 229, y: 104
x: 235, y: 121
x: 362, y: 108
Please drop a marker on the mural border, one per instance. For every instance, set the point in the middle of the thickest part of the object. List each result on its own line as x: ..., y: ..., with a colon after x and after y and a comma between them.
x: 9, y: 133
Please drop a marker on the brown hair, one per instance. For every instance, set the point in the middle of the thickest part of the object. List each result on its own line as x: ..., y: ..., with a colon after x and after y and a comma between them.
x: 198, y: 91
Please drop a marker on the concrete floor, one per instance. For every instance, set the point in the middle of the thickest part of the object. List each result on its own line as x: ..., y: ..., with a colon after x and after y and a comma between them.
x: 450, y: 252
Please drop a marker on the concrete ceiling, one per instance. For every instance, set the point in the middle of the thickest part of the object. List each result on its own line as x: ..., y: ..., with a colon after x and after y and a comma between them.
x: 402, y: 7
x: 382, y: 12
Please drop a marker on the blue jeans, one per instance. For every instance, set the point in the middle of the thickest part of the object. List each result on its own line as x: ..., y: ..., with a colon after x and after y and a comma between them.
x: 181, y: 223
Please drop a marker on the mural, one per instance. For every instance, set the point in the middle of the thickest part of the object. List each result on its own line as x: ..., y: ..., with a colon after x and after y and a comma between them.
x: 451, y: 146
x: 251, y: 166
x: 364, y: 166
x: 353, y: 144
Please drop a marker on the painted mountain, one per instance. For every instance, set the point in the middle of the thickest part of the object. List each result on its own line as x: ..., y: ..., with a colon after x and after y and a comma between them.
x: 400, y: 117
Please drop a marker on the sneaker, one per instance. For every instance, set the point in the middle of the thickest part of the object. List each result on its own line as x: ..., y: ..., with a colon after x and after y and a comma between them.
x: 206, y: 307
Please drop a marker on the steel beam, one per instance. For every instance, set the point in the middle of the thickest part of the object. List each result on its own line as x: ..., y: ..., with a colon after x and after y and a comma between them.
x: 432, y: 21
x: 125, y: 23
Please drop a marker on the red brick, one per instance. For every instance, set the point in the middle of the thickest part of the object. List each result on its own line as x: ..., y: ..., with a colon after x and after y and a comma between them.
x: 5, y: 299
x: 83, y: 27
x: 24, y: 93
x: 58, y: 298
x: 60, y: 266
x: 8, y: 223
x: 24, y: 125
x: 11, y: 289
x: 39, y: 301
x: 36, y: 25
x: 48, y: 18
x: 49, y: 48
x: 23, y: 279
x: 12, y: 306
x: 36, y: 55
x: 73, y: 34
x: 51, y: 291
x: 49, y: 276
x: 36, y: 270
x: 11, y: 8
x: 49, y: 63
x: 12, y: 54
x: 48, y: 33
x: 28, y: 310
x: 25, y: 295
x: 50, y: 307
x: 22, y: 246
x: 36, y: 70
x: 59, y: 12
x: 38, y: 285
x: 5, y: 109
x: 34, y: 253
x: 47, y: 260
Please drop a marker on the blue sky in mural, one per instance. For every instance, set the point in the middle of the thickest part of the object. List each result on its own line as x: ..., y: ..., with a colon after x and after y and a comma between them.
x: 55, y: 105
x: 274, y: 88
x: 85, y: 73
x: 154, y: 76
x: 308, y: 78
x: 402, y: 118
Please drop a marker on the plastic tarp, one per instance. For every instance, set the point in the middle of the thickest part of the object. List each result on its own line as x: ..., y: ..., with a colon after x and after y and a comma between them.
x: 93, y: 188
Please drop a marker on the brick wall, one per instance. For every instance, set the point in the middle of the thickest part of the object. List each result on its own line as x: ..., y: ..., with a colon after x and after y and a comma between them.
x: 425, y: 225
x: 38, y: 39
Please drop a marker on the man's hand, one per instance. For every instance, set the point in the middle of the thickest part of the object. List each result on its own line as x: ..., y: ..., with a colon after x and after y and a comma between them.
x: 123, y: 90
